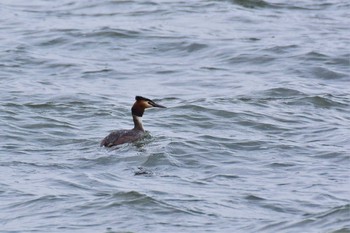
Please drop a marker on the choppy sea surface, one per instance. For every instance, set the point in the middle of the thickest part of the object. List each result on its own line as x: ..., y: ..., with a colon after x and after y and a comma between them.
x: 256, y: 136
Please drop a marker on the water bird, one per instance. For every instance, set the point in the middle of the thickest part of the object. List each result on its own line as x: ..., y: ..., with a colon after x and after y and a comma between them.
x: 118, y: 137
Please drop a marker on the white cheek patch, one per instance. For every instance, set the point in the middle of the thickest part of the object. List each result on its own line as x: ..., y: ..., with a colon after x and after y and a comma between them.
x: 147, y: 105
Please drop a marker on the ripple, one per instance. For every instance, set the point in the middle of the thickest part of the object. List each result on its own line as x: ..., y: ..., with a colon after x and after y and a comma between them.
x: 325, y: 101
x: 283, y: 93
x: 251, y: 3
x: 131, y: 197
x: 112, y: 33
x: 184, y: 46
x: 254, y: 198
x: 37, y: 202
x: 328, y: 220
x: 53, y: 42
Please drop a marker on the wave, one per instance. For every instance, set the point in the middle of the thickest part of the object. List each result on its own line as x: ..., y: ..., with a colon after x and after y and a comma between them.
x: 334, y: 220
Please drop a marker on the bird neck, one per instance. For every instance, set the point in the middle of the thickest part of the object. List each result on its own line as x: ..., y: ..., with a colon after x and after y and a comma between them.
x: 137, y: 122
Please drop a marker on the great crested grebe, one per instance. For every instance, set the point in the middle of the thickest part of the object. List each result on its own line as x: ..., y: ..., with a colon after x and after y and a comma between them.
x: 118, y: 137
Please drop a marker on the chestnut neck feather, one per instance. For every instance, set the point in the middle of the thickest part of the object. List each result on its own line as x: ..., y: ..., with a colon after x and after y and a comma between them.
x: 137, y: 110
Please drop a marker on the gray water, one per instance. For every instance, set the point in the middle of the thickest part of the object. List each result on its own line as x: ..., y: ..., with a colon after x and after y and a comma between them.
x: 255, y: 137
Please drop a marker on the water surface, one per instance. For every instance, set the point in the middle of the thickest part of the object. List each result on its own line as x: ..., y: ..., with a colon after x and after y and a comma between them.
x: 255, y: 137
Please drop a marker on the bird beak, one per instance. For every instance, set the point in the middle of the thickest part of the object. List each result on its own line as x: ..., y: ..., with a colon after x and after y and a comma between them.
x: 157, y: 105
